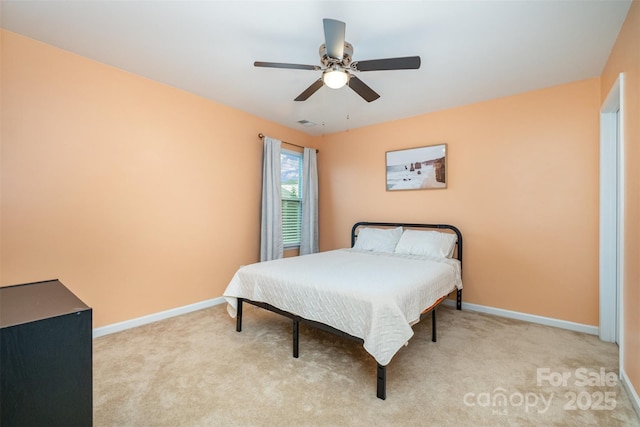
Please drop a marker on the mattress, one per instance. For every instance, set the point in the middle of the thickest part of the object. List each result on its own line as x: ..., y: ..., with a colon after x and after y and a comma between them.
x: 371, y: 295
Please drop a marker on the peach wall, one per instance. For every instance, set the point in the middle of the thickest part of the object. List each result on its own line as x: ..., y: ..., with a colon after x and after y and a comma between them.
x: 137, y: 196
x: 625, y: 58
x: 522, y: 187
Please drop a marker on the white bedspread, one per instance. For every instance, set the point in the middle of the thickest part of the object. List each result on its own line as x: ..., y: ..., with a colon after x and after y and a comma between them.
x: 373, y: 296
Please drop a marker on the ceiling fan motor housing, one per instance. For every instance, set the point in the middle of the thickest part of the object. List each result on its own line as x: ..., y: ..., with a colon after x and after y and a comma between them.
x: 326, y: 61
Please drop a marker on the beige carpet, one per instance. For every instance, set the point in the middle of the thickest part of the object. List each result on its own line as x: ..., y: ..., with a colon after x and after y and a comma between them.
x: 195, y: 370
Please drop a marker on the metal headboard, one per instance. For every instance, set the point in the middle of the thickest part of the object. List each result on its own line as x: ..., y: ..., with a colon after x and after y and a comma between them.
x: 407, y: 225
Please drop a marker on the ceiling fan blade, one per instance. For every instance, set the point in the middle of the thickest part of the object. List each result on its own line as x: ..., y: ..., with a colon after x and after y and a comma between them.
x: 404, y: 63
x: 310, y: 90
x: 284, y: 65
x: 334, y: 38
x: 362, y: 89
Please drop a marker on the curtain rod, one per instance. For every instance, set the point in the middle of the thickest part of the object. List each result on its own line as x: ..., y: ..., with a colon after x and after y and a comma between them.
x: 260, y: 135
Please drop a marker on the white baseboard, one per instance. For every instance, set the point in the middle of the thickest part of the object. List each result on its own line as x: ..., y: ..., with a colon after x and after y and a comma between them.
x: 548, y: 321
x: 631, y: 391
x: 139, y: 321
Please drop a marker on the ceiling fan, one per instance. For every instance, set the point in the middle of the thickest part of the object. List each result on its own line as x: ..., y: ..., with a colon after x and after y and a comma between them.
x: 338, y: 68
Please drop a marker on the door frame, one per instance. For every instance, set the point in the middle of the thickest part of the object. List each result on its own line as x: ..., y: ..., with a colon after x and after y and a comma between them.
x: 612, y: 172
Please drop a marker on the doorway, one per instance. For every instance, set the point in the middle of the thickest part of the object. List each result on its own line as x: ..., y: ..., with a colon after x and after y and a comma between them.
x: 612, y: 215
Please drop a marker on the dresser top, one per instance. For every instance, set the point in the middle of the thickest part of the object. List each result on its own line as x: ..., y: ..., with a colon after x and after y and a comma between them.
x: 36, y: 301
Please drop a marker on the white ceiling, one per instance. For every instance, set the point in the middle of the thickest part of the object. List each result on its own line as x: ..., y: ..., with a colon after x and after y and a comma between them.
x: 471, y: 50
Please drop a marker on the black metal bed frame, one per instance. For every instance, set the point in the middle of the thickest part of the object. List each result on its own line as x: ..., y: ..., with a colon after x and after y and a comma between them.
x: 381, y: 375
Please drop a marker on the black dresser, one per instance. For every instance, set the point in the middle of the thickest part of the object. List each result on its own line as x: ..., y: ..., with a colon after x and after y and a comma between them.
x: 46, y: 376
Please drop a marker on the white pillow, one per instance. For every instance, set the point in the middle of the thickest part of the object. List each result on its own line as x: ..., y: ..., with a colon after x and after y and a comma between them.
x: 378, y: 239
x: 431, y: 243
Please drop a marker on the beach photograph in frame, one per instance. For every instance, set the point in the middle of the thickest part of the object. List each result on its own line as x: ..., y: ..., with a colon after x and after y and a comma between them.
x: 420, y: 168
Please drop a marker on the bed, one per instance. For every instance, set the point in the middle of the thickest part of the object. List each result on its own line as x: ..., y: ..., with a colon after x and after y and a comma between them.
x: 392, y: 276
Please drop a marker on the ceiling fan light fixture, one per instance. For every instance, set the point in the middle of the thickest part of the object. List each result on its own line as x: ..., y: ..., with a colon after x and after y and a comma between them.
x: 335, y: 78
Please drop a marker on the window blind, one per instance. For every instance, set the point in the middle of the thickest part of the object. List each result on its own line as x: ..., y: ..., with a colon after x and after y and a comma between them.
x: 291, y: 216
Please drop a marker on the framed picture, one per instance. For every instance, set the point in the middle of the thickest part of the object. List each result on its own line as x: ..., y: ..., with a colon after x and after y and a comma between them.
x: 418, y: 168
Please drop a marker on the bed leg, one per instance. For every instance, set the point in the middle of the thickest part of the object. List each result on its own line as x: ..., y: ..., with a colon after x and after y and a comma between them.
x: 382, y: 382
x: 239, y: 316
x: 459, y: 300
x: 296, y: 330
x: 433, y: 325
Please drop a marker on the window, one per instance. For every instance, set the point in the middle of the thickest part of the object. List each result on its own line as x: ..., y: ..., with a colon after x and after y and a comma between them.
x: 291, y: 184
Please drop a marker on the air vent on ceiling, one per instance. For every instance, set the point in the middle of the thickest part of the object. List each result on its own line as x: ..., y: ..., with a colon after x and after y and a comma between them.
x: 306, y: 123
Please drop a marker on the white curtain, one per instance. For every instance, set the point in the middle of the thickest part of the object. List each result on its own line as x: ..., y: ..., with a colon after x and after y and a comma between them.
x: 309, y: 229
x: 271, y: 246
